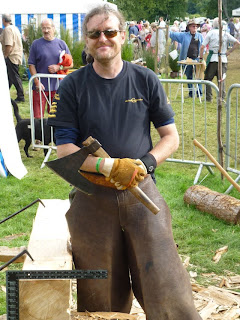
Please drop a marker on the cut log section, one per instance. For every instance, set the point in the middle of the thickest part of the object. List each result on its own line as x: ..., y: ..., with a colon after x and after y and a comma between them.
x: 49, y: 247
x: 220, y: 205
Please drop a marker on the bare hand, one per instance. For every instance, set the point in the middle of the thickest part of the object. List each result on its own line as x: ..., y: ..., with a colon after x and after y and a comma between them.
x: 40, y: 87
x: 53, y: 68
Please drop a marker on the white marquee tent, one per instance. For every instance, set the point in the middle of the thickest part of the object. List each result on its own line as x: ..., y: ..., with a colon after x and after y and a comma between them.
x: 236, y: 12
x: 70, y: 14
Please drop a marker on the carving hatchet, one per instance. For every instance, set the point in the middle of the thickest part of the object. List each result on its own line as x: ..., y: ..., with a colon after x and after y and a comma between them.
x: 68, y: 168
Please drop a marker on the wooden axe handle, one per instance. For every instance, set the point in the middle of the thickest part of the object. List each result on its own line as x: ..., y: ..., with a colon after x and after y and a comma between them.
x: 136, y: 191
x: 224, y: 172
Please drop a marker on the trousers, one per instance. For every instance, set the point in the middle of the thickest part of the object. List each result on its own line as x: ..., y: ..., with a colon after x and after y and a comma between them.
x: 112, y: 230
x: 189, y: 74
x: 210, y: 73
x: 14, y: 78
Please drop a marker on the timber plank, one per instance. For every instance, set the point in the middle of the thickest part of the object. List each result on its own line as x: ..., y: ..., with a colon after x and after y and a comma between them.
x: 7, y: 253
x: 49, y: 247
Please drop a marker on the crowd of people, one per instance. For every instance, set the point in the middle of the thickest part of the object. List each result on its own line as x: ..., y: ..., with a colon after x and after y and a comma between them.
x: 191, y: 40
x: 186, y: 38
x: 143, y: 34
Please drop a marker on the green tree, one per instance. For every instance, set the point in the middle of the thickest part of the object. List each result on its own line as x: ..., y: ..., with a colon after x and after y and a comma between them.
x: 151, y: 9
x: 209, y: 8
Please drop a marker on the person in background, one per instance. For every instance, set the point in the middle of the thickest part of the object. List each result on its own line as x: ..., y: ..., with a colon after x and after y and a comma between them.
x: 175, y: 28
x: 205, y: 28
x: 182, y: 26
x: 212, y: 39
x: 162, y: 23
x: 231, y: 27
x: 115, y: 102
x: 142, y: 35
x: 44, y: 58
x: 139, y: 25
x: 237, y: 28
x: 13, y: 53
x: 190, y: 41
x: 161, y: 41
x: 132, y: 29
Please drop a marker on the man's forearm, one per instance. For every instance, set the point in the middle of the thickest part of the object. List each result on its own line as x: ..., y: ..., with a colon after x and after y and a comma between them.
x: 168, y: 143
x: 89, y: 164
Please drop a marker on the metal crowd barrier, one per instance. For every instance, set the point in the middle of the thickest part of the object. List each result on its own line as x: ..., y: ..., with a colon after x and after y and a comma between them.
x: 232, y: 162
x: 42, y: 144
x: 188, y: 113
x: 191, y: 118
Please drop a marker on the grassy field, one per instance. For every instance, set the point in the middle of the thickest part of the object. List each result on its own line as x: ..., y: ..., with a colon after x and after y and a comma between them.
x: 197, y: 234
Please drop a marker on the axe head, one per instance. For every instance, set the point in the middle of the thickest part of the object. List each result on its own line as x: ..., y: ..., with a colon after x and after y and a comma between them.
x: 68, y: 168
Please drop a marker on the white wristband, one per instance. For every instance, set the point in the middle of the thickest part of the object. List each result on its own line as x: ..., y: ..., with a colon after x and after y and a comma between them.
x: 107, y: 166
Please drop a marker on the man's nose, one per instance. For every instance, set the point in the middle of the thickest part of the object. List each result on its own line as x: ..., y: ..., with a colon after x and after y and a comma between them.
x: 102, y: 37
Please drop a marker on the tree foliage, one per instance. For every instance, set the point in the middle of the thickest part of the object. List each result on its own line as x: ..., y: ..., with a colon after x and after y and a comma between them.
x: 171, y: 9
x: 151, y: 10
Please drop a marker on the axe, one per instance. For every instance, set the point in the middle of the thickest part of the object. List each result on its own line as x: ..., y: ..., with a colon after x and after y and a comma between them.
x: 68, y: 169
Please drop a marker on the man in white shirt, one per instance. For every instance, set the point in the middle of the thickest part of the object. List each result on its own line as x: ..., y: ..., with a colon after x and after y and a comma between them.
x: 212, y: 39
x: 237, y: 28
x: 13, y: 52
x: 182, y: 26
x: 162, y: 23
x: 161, y: 40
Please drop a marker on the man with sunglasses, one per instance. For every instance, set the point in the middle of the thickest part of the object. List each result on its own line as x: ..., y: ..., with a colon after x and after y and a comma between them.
x: 115, y: 101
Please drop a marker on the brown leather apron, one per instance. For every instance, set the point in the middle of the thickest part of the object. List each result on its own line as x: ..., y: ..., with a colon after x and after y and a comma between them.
x: 112, y: 230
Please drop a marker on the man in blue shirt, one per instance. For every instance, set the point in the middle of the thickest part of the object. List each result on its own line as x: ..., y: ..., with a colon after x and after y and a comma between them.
x: 133, y: 29
x: 191, y: 41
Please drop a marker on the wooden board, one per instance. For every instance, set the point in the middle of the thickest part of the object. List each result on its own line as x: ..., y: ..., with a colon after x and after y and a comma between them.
x: 190, y: 62
x: 7, y: 254
x: 49, y: 247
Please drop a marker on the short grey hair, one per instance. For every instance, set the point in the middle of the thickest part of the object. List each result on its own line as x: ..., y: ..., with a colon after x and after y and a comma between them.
x: 7, y: 17
x: 107, y: 11
x: 49, y: 20
x: 215, y: 23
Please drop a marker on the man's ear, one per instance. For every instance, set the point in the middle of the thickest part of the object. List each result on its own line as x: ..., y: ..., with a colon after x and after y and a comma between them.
x: 123, y: 36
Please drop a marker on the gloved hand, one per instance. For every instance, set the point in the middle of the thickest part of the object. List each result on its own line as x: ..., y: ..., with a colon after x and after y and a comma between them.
x: 124, y: 173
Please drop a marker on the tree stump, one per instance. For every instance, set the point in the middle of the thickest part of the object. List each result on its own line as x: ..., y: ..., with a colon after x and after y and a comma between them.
x: 220, y: 205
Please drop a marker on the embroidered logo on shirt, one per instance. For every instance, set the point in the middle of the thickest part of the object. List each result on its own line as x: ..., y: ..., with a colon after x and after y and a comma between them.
x: 56, y: 96
x: 133, y: 100
x: 53, y: 108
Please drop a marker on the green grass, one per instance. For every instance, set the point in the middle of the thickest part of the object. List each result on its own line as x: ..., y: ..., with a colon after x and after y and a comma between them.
x: 197, y: 234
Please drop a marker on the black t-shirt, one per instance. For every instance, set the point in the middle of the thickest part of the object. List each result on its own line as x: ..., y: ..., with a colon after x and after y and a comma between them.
x: 193, y: 48
x: 117, y: 112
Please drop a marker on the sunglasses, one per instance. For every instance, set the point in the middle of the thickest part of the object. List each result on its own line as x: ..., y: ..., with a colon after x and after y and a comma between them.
x: 110, y: 33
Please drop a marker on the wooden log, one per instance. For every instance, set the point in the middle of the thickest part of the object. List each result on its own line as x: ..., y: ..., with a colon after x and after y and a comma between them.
x: 220, y: 205
x: 49, y: 247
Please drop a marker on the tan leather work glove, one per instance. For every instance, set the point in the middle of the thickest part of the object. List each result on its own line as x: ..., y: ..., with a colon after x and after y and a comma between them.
x: 124, y: 173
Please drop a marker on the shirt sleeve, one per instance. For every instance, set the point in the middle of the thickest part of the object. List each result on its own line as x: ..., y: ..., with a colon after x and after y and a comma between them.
x: 8, y: 38
x: 66, y: 135
x: 63, y: 109
x: 160, y: 111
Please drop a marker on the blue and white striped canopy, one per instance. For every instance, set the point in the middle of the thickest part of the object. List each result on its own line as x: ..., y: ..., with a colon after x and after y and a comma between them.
x: 70, y: 21
x: 69, y: 14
